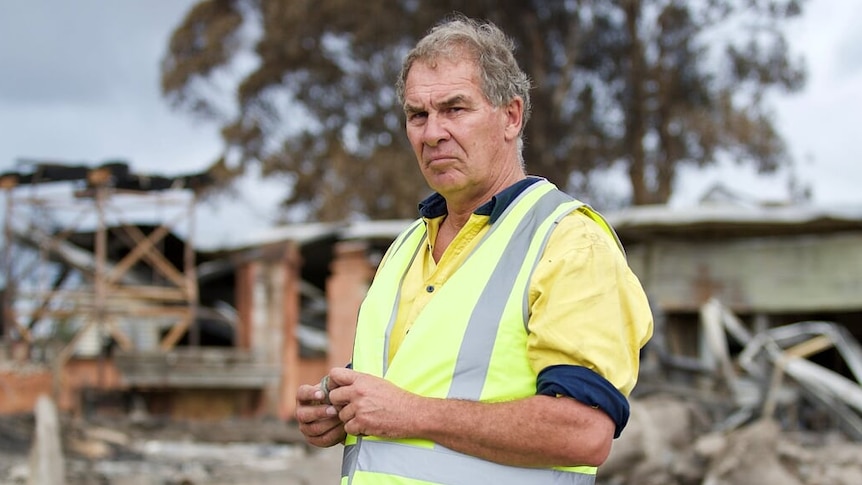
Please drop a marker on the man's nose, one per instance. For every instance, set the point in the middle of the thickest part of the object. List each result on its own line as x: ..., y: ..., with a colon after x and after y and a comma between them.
x: 435, y: 130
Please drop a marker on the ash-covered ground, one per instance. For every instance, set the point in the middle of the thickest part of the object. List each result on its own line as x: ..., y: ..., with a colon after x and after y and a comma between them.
x: 121, y: 451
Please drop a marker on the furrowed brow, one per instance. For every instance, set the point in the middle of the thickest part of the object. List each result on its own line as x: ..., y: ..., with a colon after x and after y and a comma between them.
x: 456, y: 100
x: 412, y: 110
x: 453, y: 101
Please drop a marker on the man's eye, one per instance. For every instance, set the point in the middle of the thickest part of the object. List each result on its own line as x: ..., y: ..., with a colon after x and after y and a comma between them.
x: 417, y: 116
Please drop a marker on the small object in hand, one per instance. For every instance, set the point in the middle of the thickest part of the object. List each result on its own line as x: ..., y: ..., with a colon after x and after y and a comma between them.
x: 324, y: 386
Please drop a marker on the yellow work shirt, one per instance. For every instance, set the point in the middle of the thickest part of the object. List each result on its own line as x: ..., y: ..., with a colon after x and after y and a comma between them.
x: 587, y: 307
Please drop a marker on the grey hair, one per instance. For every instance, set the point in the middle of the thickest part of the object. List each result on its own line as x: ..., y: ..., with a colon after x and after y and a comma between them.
x: 487, y: 46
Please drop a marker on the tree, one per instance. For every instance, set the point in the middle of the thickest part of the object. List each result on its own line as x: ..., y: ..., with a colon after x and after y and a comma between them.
x: 650, y: 84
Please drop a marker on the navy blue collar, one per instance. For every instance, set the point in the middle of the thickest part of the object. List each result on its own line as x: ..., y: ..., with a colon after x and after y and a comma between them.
x: 435, y: 205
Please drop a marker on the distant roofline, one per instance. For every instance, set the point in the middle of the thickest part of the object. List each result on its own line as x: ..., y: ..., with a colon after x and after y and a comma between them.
x: 632, y: 222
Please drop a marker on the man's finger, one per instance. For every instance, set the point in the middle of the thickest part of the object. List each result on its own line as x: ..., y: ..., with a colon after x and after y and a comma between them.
x: 341, y: 376
x: 307, y: 394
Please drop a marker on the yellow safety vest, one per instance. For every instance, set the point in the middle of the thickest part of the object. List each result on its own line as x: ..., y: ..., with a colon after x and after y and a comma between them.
x: 469, y: 342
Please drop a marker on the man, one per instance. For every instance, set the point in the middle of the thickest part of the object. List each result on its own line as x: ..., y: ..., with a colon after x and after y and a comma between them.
x: 500, y: 337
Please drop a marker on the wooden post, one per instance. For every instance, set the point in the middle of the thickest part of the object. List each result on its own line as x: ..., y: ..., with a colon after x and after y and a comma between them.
x: 47, y: 464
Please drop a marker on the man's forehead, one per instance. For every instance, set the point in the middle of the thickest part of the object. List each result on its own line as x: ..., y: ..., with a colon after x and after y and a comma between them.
x: 449, y: 69
x: 441, y: 85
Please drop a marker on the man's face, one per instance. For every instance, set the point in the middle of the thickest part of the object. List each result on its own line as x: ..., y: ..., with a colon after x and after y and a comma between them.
x: 456, y: 134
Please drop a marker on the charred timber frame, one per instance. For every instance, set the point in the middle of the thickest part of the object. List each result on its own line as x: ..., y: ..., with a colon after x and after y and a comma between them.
x: 112, y: 294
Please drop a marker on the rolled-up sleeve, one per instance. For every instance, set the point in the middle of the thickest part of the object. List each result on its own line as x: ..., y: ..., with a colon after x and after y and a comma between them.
x: 588, y: 310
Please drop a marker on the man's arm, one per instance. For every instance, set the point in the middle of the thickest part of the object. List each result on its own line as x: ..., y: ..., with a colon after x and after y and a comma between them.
x: 538, y: 431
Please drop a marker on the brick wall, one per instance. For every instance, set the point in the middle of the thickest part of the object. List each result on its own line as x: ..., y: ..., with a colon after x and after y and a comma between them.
x: 20, y: 387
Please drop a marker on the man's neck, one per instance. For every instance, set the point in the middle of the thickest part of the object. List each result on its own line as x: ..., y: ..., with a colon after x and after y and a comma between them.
x: 459, y: 210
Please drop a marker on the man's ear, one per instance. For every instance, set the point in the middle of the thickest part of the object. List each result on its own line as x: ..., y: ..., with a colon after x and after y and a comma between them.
x: 514, y: 117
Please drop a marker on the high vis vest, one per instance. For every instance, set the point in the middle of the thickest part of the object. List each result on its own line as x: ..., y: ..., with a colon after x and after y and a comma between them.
x: 469, y: 342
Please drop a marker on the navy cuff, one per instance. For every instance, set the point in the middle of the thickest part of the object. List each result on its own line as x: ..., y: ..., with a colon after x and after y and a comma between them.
x: 587, y: 387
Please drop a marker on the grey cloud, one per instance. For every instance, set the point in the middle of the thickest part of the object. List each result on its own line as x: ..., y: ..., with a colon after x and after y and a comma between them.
x: 83, y: 51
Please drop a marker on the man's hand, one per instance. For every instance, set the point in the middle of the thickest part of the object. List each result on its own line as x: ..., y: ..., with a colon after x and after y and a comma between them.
x: 539, y: 431
x: 369, y: 405
x: 318, y: 420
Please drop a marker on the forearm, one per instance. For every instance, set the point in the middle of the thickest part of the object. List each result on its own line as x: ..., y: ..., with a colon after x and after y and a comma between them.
x: 536, y: 431
x: 539, y: 431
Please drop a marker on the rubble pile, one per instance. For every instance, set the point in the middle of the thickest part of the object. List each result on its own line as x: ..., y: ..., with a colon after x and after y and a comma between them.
x: 766, y: 415
x: 668, y: 441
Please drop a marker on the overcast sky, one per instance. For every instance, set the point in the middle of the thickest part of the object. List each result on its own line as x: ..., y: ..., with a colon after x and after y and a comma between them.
x: 79, y: 82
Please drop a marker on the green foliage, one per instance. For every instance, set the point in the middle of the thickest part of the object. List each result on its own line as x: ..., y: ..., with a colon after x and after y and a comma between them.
x: 651, y: 84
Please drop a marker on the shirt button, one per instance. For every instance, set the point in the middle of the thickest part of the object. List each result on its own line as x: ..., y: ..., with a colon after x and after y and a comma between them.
x: 429, y: 288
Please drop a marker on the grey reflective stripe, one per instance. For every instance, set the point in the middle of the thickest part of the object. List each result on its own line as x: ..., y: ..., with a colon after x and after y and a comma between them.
x: 394, y: 313
x: 474, y: 357
x: 408, y: 232
x: 444, y: 466
x: 348, y: 460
